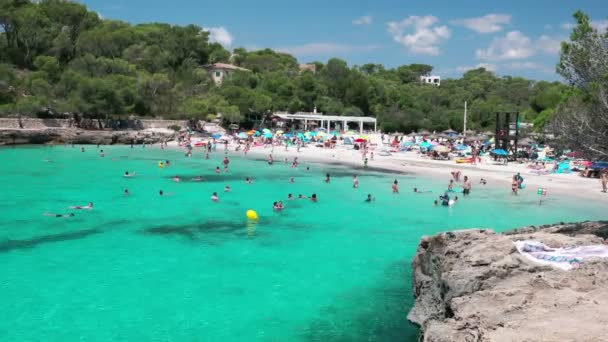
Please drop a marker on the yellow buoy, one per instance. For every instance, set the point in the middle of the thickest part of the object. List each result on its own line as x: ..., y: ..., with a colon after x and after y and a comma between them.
x: 252, y: 215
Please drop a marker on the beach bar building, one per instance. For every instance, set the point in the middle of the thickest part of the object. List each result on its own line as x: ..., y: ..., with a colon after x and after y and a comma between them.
x: 318, y: 120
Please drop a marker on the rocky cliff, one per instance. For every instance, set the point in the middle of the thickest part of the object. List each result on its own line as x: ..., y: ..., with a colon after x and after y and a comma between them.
x: 78, y: 136
x: 473, y: 285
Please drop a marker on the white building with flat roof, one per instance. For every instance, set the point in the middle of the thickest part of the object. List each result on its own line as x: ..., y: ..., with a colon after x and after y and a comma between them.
x: 434, y: 80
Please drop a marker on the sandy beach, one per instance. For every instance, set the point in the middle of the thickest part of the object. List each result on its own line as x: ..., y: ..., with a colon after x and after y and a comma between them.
x: 500, y: 175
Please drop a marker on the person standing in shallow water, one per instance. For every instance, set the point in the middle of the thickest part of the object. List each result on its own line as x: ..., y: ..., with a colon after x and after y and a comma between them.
x: 355, y: 182
x: 466, y: 187
x: 395, y: 187
x: 327, y: 179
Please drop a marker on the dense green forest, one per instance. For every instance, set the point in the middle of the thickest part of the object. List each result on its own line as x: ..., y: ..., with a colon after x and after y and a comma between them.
x: 56, y: 57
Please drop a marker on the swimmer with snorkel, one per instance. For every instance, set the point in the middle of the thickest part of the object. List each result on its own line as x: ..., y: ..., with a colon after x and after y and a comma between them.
x: 83, y: 207
x: 59, y: 215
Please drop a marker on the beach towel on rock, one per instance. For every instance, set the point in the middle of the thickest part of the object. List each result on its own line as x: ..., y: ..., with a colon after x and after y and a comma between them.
x: 563, y: 258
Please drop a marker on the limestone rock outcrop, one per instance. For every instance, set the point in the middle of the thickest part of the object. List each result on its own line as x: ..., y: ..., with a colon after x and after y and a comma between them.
x: 473, y: 285
x: 79, y: 136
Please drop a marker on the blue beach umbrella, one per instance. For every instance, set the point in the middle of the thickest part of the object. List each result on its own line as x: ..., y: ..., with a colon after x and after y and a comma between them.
x: 425, y: 144
x: 216, y: 136
x: 267, y: 135
x: 500, y: 152
x: 461, y: 147
x: 256, y: 134
x: 288, y: 135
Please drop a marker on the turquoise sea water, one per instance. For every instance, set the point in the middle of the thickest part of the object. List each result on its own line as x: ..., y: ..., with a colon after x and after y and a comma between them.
x: 181, y: 268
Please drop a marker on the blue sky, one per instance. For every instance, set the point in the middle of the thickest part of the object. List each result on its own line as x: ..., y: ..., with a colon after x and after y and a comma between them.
x: 509, y: 37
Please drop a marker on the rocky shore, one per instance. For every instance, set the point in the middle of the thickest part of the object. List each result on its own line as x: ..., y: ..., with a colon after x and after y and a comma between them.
x: 79, y: 136
x: 473, y: 285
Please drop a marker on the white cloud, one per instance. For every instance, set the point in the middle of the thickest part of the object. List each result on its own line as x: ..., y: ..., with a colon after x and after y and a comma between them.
x: 424, y: 39
x: 514, y: 45
x: 220, y: 35
x: 548, y: 44
x: 567, y: 26
x: 600, y: 25
x: 489, y: 23
x: 487, y: 66
x: 364, y: 20
x: 325, y: 49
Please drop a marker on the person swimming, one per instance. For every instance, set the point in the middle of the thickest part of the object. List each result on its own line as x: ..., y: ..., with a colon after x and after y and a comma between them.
x: 83, y: 207
x: 227, y: 188
x: 418, y: 191
x: 176, y: 179
x: 355, y: 182
x: 300, y: 196
x: 395, y: 187
x: 278, y: 206
x: 292, y: 180
x: 102, y: 154
x: 162, y: 193
x: 435, y: 203
x: 327, y: 179
x: 445, y: 199
x: 313, y: 197
x: 217, y: 169
x: 126, y: 192
x: 128, y: 175
x: 226, y: 162
x: 214, y: 197
x: 248, y: 180
x: 290, y: 197
x: 82, y: 149
x: 370, y: 198
x: 59, y: 215
x: 482, y: 181
x: 167, y: 162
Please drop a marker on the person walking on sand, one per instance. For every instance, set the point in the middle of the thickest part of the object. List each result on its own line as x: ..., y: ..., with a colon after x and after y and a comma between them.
x: 514, y: 185
x: 466, y: 187
x: 604, y: 178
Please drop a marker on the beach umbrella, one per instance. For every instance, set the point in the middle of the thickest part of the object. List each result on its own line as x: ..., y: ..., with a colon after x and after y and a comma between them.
x: 267, y: 135
x: 242, y: 135
x: 433, y: 143
x: 256, y: 134
x: 321, y: 134
x: 335, y: 133
x: 425, y: 144
x: 300, y: 135
x: 288, y: 135
x: 251, y: 132
x: 461, y: 147
x: 216, y: 136
x: 441, y: 148
x: 500, y: 152
x: 424, y: 132
x: 359, y: 140
x: 450, y: 131
x: 488, y: 133
x: 265, y: 130
x: 312, y: 134
x: 350, y: 133
x: 413, y: 134
x: 280, y: 132
x: 364, y: 137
